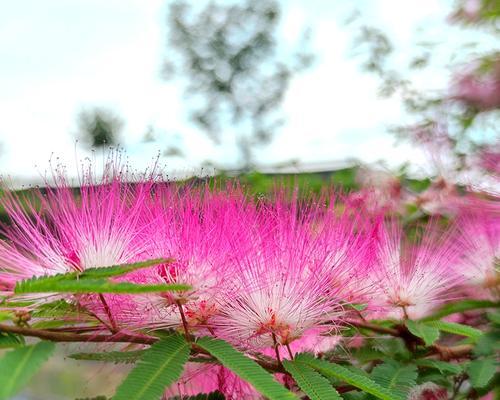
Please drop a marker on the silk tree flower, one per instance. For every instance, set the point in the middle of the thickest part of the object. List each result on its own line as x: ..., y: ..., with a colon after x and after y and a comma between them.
x: 57, y: 230
x: 489, y: 160
x: 206, y: 378
x: 281, y: 288
x: 193, y: 227
x: 428, y: 391
x: 343, y: 233
x: 479, y: 238
x: 411, y: 279
x: 478, y: 89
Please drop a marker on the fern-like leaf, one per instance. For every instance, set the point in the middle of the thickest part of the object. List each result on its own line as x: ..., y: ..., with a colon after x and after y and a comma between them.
x: 350, y: 376
x: 121, y: 269
x: 160, y: 366
x: 125, y: 357
x: 46, y: 285
x: 461, y: 306
x: 18, y: 366
x: 456, y: 329
x: 315, y: 386
x: 395, y: 377
x: 245, y: 368
x: 443, y: 366
x: 105, y: 271
x: 8, y: 340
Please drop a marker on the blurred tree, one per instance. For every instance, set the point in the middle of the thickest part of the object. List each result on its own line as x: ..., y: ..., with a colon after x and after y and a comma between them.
x: 235, y: 72
x: 99, y: 127
x: 462, y: 118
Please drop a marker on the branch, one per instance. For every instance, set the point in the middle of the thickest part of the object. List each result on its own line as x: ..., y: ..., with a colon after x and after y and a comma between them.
x: 52, y: 336
x: 75, y: 337
x: 446, y: 353
x: 372, y: 327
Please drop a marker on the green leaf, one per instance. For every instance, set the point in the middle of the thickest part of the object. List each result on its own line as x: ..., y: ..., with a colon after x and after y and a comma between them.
x: 126, y: 357
x: 394, y: 346
x: 488, y: 344
x: 356, y: 306
x: 356, y: 379
x: 44, y: 285
x: 442, y: 366
x: 245, y: 368
x: 481, y: 371
x: 312, y: 384
x: 18, y: 366
x: 456, y: 329
x: 160, y: 366
x: 122, y: 269
x: 89, y: 278
x: 395, y: 377
x: 16, y: 304
x: 494, y: 317
x: 8, y: 340
x: 461, y: 306
x: 105, y: 271
x: 6, y: 315
x: 367, y: 353
x: 429, y: 334
x: 54, y: 309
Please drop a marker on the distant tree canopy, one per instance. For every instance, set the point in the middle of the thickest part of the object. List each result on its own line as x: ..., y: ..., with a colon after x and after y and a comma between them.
x: 99, y: 127
x: 235, y: 72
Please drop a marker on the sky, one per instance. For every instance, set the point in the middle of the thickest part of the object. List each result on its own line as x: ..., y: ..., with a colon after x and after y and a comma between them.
x: 58, y: 57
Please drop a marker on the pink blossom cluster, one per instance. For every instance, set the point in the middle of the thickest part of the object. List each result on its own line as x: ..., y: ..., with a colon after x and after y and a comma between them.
x: 279, y: 274
x: 477, y: 89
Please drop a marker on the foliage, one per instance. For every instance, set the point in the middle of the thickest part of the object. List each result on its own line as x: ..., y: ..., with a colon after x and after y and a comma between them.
x: 92, y: 281
x: 157, y: 368
x: 352, y: 376
x: 315, y: 386
x: 48, y: 285
x: 99, y: 127
x: 19, y: 365
x: 163, y: 362
x: 245, y: 368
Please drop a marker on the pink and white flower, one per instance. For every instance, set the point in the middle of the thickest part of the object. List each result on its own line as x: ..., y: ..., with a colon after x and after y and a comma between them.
x: 411, y: 279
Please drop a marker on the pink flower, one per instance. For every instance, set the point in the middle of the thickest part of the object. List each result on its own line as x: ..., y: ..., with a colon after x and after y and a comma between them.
x: 479, y: 90
x: 207, y: 378
x: 282, y: 287
x: 412, y: 279
x: 490, y: 160
x: 344, y: 245
x: 60, y: 230
x: 479, y: 239
x: 193, y: 227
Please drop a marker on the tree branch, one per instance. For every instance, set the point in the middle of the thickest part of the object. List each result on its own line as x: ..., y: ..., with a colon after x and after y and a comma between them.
x: 372, y: 327
x: 75, y: 337
x: 116, y: 338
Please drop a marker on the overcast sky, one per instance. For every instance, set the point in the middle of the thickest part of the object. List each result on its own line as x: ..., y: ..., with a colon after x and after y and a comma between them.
x: 57, y: 56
